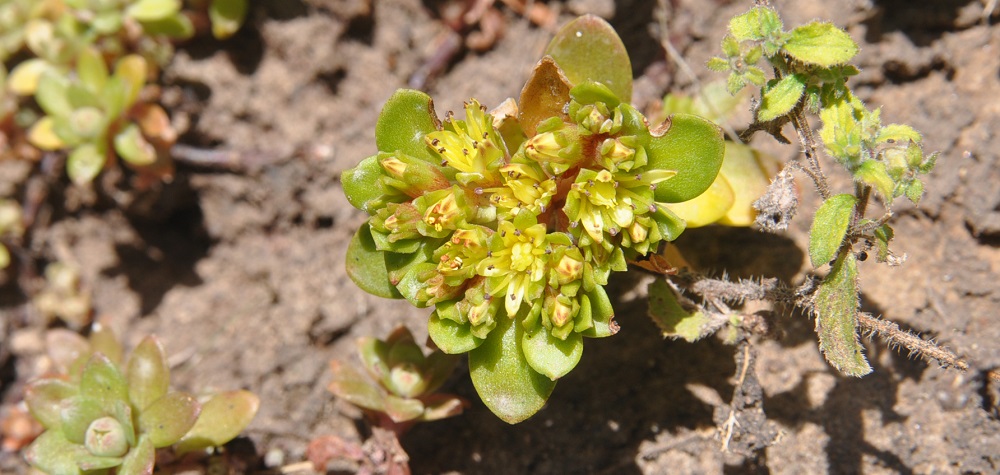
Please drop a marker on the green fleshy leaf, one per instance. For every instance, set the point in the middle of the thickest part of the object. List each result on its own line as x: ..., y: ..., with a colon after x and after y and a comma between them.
x: 44, y: 398
x: 222, y: 418
x: 875, y: 175
x: 177, y: 26
x: 167, y: 419
x: 148, y: 374
x: 140, y: 459
x: 77, y: 413
x: 104, y: 341
x: 781, y: 98
x: 821, y: 43
x: 51, y: 95
x: 93, y: 462
x: 691, y: 146
x: 836, y: 318
x: 366, y: 266
x: 829, y: 227
x: 363, y: 184
x: 441, y: 406
x: 352, y: 386
x: 132, y: 69
x: 153, y: 10
x: 227, y: 16
x: 602, y: 314
x: 502, y: 376
x: 757, y: 24
x: 91, y: 69
x: 450, y: 336
x: 410, y: 285
x: 398, y: 264
x: 25, y: 77
x: 103, y: 383
x: 4, y: 257
x: 549, y: 355
x: 133, y: 147
x: 589, y: 49
x: 406, y: 118
x: 84, y: 163
x: 545, y: 95
x: 402, y: 409
x: 671, y: 318
x: 52, y: 453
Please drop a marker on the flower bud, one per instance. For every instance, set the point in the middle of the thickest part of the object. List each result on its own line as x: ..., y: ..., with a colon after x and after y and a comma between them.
x: 105, y: 437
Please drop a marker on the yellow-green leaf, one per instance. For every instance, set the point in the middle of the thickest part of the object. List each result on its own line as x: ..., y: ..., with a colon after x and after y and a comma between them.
x: 23, y: 79
x: 829, y: 227
x: 691, y: 146
x: 707, y: 207
x: 670, y: 317
x: 43, y: 136
x: 226, y: 16
x: 549, y: 355
x: 502, y: 376
x: 781, y: 98
x: 836, y: 318
x: 821, y: 43
x: 875, y: 175
x: 405, y: 119
x: 222, y: 418
x: 757, y: 24
x: 84, y: 163
x: 366, y: 265
x: 133, y: 147
x: 153, y: 10
x: 589, y: 49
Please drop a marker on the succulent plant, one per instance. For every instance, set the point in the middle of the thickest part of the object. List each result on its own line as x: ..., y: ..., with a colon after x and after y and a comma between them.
x: 98, y: 116
x: 509, y: 223
x: 400, y: 384
x: 100, y: 418
x: 64, y: 296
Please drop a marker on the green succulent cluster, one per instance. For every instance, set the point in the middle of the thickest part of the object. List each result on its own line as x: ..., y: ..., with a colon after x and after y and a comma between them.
x: 401, y: 381
x: 100, y: 418
x: 94, y: 115
x: 510, y: 222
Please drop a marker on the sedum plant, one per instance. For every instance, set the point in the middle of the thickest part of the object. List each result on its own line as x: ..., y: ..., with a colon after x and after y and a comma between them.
x: 100, y: 417
x: 98, y: 115
x: 399, y: 388
x: 508, y: 223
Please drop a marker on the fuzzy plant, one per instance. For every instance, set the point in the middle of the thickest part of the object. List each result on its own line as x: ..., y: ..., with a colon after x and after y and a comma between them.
x: 508, y: 223
x: 810, y: 73
x: 105, y: 416
x: 400, y: 384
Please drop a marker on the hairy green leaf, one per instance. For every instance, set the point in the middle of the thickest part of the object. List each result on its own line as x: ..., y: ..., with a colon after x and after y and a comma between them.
x: 875, y: 175
x: 502, y: 376
x: 836, y: 310
x: 897, y: 133
x: 821, y: 43
x: 670, y: 317
x: 829, y: 227
x: 757, y: 24
x: 781, y: 98
x: 589, y: 49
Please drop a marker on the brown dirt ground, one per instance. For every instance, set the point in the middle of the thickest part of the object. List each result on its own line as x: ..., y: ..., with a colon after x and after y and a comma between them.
x: 242, y: 274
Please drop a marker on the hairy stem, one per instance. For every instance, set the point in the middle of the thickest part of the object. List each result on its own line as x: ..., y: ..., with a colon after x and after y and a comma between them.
x: 895, y: 336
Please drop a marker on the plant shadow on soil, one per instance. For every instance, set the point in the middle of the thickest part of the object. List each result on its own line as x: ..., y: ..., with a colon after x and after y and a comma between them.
x: 626, y: 389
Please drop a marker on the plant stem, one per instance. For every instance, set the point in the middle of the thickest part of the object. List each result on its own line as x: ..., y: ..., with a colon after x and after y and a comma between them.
x: 808, y: 142
x: 893, y: 336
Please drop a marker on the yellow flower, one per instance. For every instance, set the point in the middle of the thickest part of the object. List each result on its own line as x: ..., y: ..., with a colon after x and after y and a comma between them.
x: 516, y: 263
x: 471, y: 146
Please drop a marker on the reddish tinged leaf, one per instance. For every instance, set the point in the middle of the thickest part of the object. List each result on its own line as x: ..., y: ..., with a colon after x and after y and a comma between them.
x: 545, y: 95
